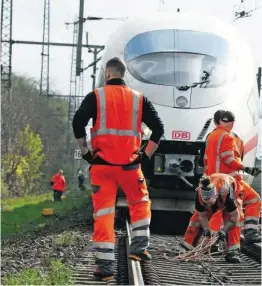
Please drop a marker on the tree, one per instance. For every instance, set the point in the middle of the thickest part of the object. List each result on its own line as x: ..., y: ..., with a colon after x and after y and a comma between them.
x: 22, y: 166
x: 46, y: 116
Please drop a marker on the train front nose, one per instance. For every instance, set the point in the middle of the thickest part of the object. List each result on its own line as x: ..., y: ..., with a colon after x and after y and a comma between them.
x: 176, y: 60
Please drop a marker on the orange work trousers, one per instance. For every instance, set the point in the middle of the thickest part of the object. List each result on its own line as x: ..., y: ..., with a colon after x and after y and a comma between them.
x: 252, y: 204
x: 194, y: 230
x: 105, y: 180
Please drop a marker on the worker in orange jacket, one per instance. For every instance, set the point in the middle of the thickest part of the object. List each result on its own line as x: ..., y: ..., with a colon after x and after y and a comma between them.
x: 217, y: 193
x: 58, y: 184
x: 223, y: 154
x: 118, y: 113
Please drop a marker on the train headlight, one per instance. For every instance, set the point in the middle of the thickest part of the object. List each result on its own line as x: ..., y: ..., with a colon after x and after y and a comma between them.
x: 181, y: 101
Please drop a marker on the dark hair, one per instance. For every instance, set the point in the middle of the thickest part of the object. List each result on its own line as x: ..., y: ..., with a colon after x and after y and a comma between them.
x: 228, y: 116
x: 218, y: 115
x: 205, y: 181
x: 117, y: 65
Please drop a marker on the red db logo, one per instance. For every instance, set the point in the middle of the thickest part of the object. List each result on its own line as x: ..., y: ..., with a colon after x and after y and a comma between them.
x: 181, y: 135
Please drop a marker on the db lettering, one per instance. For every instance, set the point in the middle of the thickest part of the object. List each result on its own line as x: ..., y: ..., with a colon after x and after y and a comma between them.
x: 181, y: 135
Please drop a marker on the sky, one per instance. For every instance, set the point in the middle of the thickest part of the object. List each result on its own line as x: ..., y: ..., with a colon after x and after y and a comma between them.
x: 28, y: 22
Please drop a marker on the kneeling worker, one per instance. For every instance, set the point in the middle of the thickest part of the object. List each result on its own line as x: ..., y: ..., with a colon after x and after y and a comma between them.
x: 215, y: 193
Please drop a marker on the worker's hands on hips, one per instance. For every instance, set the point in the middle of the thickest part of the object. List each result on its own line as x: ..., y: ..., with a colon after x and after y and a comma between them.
x: 206, y: 232
x: 252, y: 171
x: 88, y: 157
x: 222, y: 235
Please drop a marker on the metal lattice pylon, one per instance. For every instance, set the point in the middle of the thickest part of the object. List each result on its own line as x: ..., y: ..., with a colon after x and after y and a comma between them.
x: 6, y: 46
x: 73, y: 79
x: 44, y: 79
x: 80, y: 83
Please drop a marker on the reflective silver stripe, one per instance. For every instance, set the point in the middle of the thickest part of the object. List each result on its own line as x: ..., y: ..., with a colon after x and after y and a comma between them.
x: 234, y: 173
x: 105, y: 256
x: 108, y: 245
x: 233, y: 247
x: 224, y: 154
x: 225, y: 187
x: 238, y: 223
x: 251, y: 201
x: 102, y: 101
x: 136, y: 98
x: 229, y: 160
x: 144, y: 199
x: 102, y: 130
x: 205, y: 156
x: 141, y: 222
x: 252, y: 226
x: 144, y: 232
x: 252, y: 217
x: 111, y: 131
x: 104, y: 211
x: 218, y: 149
x: 194, y: 223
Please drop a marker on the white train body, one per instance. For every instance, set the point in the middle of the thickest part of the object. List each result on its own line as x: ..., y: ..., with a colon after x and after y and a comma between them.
x: 166, y: 51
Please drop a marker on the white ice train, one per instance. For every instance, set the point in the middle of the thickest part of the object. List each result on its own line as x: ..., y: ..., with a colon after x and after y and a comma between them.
x: 189, y: 66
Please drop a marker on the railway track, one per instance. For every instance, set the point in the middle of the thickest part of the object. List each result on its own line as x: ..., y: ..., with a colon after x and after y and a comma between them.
x: 163, y: 270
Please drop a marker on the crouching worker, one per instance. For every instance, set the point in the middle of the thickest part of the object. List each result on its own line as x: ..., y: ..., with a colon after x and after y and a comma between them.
x: 215, y: 193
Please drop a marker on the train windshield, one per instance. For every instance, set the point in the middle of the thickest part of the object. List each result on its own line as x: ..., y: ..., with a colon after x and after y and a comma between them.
x: 178, y: 57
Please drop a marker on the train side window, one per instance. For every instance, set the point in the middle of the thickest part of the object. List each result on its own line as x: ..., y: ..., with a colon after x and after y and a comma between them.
x: 253, y: 106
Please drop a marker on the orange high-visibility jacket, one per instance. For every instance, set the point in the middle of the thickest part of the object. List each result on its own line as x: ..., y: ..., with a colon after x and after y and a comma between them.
x: 223, y: 184
x: 116, y: 136
x: 222, y: 154
x: 59, y: 182
x: 239, y: 142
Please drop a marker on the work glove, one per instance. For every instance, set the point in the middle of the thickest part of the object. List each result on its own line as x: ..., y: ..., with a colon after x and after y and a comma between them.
x: 88, y: 157
x: 206, y: 232
x: 143, y: 157
x: 252, y: 171
x: 222, y: 235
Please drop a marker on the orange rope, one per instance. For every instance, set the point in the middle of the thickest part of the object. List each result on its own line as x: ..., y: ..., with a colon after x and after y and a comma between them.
x: 201, y: 252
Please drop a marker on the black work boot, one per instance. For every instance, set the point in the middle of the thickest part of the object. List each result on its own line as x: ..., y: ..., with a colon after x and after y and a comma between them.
x: 252, y: 238
x: 145, y: 255
x: 103, y: 277
x: 233, y: 257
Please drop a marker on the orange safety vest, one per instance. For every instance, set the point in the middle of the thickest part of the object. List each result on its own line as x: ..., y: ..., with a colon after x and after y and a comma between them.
x: 59, y: 182
x: 239, y: 143
x: 213, y: 154
x: 223, y: 183
x: 116, y: 135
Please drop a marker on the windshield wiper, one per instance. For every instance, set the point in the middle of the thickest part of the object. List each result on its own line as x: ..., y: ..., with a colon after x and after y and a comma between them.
x: 195, y: 84
x: 204, y: 79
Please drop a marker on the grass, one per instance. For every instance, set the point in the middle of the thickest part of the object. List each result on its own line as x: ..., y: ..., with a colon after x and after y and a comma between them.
x: 56, y: 274
x: 24, y: 214
x: 64, y: 239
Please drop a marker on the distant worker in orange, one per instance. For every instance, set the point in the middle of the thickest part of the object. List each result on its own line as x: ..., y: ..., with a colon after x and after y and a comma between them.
x: 58, y: 183
x: 117, y: 112
x: 223, y: 154
x: 217, y: 193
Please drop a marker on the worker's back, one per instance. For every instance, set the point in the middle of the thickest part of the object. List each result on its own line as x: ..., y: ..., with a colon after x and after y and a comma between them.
x: 217, y: 148
x: 116, y: 135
